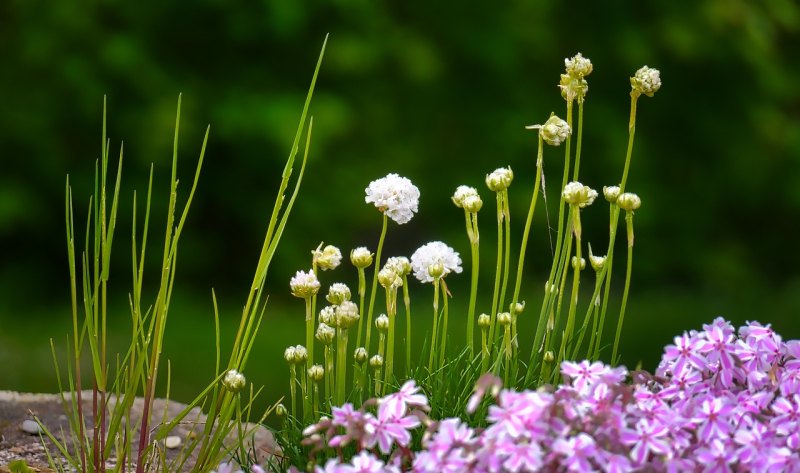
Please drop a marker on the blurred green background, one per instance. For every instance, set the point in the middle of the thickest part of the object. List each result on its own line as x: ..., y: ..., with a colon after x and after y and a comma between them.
x: 435, y: 91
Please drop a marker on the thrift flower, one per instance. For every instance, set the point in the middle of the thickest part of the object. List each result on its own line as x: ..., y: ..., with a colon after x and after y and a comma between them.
x: 394, y: 195
x: 329, y: 258
x: 646, y: 81
x: 304, y: 284
x: 234, y: 381
x: 499, y: 179
x: 338, y: 293
x: 579, y: 195
x: 361, y: 257
x: 437, y: 256
x: 555, y: 131
x: 629, y: 201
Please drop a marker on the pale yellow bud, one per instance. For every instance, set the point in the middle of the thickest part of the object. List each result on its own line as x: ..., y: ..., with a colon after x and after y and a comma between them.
x: 361, y: 257
x: 629, y: 202
x: 234, y: 381
x: 316, y: 373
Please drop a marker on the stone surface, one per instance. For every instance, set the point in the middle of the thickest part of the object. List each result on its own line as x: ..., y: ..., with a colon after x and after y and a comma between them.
x: 16, y: 444
x: 31, y: 427
x: 173, y: 441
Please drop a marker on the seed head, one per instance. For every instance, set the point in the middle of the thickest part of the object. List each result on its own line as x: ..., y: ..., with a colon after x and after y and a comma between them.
x: 579, y: 195
x: 499, y: 179
x: 234, y: 381
x: 646, y: 81
x: 573, y: 88
x: 304, y: 284
x: 361, y: 257
x: 629, y: 202
x: 338, y: 293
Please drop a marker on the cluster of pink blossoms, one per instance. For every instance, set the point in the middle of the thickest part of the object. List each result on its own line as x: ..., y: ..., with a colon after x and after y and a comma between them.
x: 718, y: 402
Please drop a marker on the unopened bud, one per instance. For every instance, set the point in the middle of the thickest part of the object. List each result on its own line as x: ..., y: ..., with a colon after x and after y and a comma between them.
x: 575, y: 263
x: 388, y: 278
x: 436, y: 270
x: 316, y: 373
x: 399, y: 264
x: 360, y: 355
x: 234, y: 381
x: 499, y: 179
x: 301, y: 354
x: 346, y: 314
x: 382, y: 323
x: 361, y: 257
x: 376, y: 361
x: 280, y: 410
x: 325, y: 334
x: 338, y: 293
x: 290, y: 355
x: 548, y: 357
x: 578, y: 195
x: 611, y: 193
x: 484, y: 321
x: 517, y: 308
x: 629, y: 202
x: 504, y: 318
x: 329, y: 258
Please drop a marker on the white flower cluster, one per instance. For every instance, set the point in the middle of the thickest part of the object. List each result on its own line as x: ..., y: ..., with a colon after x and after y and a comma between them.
x: 646, y: 81
x: 555, y: 131
x: 577, y: 194
x: 394, y: 195
x: 434, y: 257
x: 304, y: 284
x: 467, y: 198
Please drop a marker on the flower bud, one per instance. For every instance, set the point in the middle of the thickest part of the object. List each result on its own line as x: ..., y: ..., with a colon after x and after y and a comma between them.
x: 504, y: 318
x: 382, y: 323
x: 579, y: 195
x: 301, y: 354
x: 316, y: 373
x: 484, y: 321
x: 461, y: 193
x: 499, y: 179
x: 338, y: 293
x: 388, y: 278
x: 329, y: 258
x: 346, y: 314
x: 327, y: 315
x: 597, y: 262
x: 516, y: 308
x: 554, y: 131
x: 578, y: 66
x: 629, y: 202
x: 280, y: 410
x: 575, y: 263
x: 304, y: 284
x: 573, y: 88
x: 549, y: 357
x: 611, y: 193
x: 325, y: 334
x: 361, y: 257
x: 436, y: 270
x: 360, y: 355
x: 646, y: 81
x: 473, y: 203
x: 234, y: 381
x: 290, y: 355
x: 376, y: 361
x: 399, y: 264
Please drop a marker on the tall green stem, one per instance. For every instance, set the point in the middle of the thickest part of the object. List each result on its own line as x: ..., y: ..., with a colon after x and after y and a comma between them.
x: 629, y: 225
x: 375, y: 278
x: 576, y: 277
x: 499, y: 271
x: 362, y: 289
x: 526, y: 232
x: 407, y: 305
x: 391, y: 310
x: 435, y: 324
x: 444, y: 323
x: 472, y: 231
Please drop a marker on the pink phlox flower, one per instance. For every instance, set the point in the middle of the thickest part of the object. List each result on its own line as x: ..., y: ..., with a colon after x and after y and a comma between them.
x: 451, y: 434
x: 488, y: 382
x: 754, y: 442
x: 792, y: 349
x: 649, y: 436
x: 615, y: 463
x: 713, y: 418
x: 386, y: 432
x: 683, y: 354
x: 396, y: 404
x: 787, y: 414
x: 365, y: 462
x: 227, y: 467
x: 577, y: 452
x: 583, y: 375
x: 789, y: 378
x: 718, y: 346
x: 510, y: 414
x: 716, y: 457
x: 520, y: 455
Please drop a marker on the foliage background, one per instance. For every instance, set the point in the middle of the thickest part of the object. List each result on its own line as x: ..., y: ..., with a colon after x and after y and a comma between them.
x: 435, y: 91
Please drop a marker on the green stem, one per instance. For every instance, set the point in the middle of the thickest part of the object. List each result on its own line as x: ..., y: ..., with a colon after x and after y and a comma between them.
x: 293, y: 388
x: 499, y: 270
x: 629, y: 225
x: 526, y: 232
x: 391, y: 309
x: 375, y: 278
x: 591, y: 313
x: 444, y: 324
x: 407, y: 305
x: 576, y: 277
x: 309, y: 333
x: 341, y: 368
x: 435, y: 324
x: 484, y: 351
x: 507, y: 248
x: 362, y: 289
x: 329, y: 373
x: 472, y: 233
x: 579, y: 141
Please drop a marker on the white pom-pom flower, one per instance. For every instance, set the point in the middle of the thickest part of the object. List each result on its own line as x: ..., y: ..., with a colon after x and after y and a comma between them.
x: 304, y: 284
x: 434, y: 256
x: 394, y: 195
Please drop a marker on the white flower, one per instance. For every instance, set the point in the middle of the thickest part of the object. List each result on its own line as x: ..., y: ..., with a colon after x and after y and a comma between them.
x: 304, y: 284
x: 646, y: 81
x: 499, y: 179
x: 629, y: 202
x: 577, y: 194
x: 578, y: 66
x: 399, y: 264
x: 338, y: 293
x: 361, y: 257
x: 555, y: 131
x: 329, y: 258
x: 434, y: 254
x: 233, y: 381
x: 394, y: 195
x: 611, y: 193
x: 461, y: 193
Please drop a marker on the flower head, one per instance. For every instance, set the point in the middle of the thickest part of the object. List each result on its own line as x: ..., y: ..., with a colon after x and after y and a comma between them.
x: 304, y: 284
x: 578, y: 66
x: 328, y: 258
x: 360, y: 355
x: 325, y: 334
x: 234, y: 381
x: 316, y: 372
x: 629, y: 201
x: 554, y: 131
x: 399, y: 264
x: 388, y: 278
x: 611, y: 193
x: 646, y: 81
x: 394, y: 195
x: 434, y: 256
x: 579, y: 195
x: 338, y: 293
x: 346, y: 314
x: 499, y: 179
x: 361, y: 257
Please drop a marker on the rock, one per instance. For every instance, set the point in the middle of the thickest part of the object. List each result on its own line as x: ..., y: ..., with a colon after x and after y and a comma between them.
x: 31, y: 427
x: 172, y: 441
